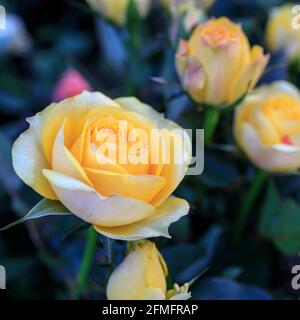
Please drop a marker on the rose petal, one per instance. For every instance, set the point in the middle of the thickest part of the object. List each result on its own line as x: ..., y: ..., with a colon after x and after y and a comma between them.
x: 28, y: 158
x: 251, y: 112
x: 64, y: 162
x: 141, y: 187
x: 192, y: 76
x: 250, y: 74
x: 277, y: 158
x: 136, y: 105
x: 178, y: 146
x: 221, y: 60
x: 155, y: 226
x: 129, y: 279
x: 96, y: 160
x: 93, y: 208
x: 73, y: 109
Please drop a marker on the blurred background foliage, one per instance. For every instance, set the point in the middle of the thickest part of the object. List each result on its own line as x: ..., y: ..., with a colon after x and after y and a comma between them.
x: 42, y: 257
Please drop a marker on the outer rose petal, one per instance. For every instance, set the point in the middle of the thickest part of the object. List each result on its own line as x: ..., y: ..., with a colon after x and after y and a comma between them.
x: 250, y: 74
x: 132, y: 270
x: 93, y: 208
x: 136, y: 105
x: 251, y: 112
x: 28, y: 158
x: 175, y: 171
x: 276, y: 158
x: 280, y: 86
x: 192, y: 76
x: 155, y: 226
x: 141, y: 187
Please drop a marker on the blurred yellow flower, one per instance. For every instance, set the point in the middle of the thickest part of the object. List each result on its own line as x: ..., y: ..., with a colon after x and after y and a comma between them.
x: 202, y: 4
x: 142, y: 276
x: 280, y: 33
x: 190, y: 11
x: 267, y: 127
x: 112, y: 163
x: 116, y: 10
x: 216, y: 65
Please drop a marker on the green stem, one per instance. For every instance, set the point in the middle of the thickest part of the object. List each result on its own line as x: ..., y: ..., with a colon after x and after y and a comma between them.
x: 248, y: 202
x: 211, y: 119
x: 86, y: 263
x: 109, y: 251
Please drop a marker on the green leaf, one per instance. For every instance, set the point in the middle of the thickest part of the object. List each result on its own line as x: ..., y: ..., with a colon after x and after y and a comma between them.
x: 272, y: 202
x: 280, y: 222
x: 44, y: 208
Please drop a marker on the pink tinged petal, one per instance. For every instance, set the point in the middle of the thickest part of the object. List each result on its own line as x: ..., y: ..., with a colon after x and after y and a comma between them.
x: 182, y: 48
x: 277, y: 158
x: 286, y: 140
x: 192, y: 76
x: 90, y: 206
x: 156, y: 225
x: 29, y: 160
x: 70, y: 84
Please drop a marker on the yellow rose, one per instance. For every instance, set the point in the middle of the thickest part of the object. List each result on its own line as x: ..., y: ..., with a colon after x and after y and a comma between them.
x: 190, y: 12
x: 142, y: 276
x: 216, y: 65
x: 267, y: 127
x: 116, y: 10
x: 202, y: 4
x: 280, y: 34
x: 69, y: 153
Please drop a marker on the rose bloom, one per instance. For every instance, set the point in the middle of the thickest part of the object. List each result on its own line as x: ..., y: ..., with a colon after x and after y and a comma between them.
x: 185, y: 13
x: 142, y: 276
x: 70, y: 84
x: 280, y: 33
x: 190, y: 11
x: 116, y: 10
x: 267, y: 127
x: 202, y: 4
x: 66, y: 155
x: 216, y: 65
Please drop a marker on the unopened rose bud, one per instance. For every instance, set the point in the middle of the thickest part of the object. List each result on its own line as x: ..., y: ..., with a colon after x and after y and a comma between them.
x: 70, y: 84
